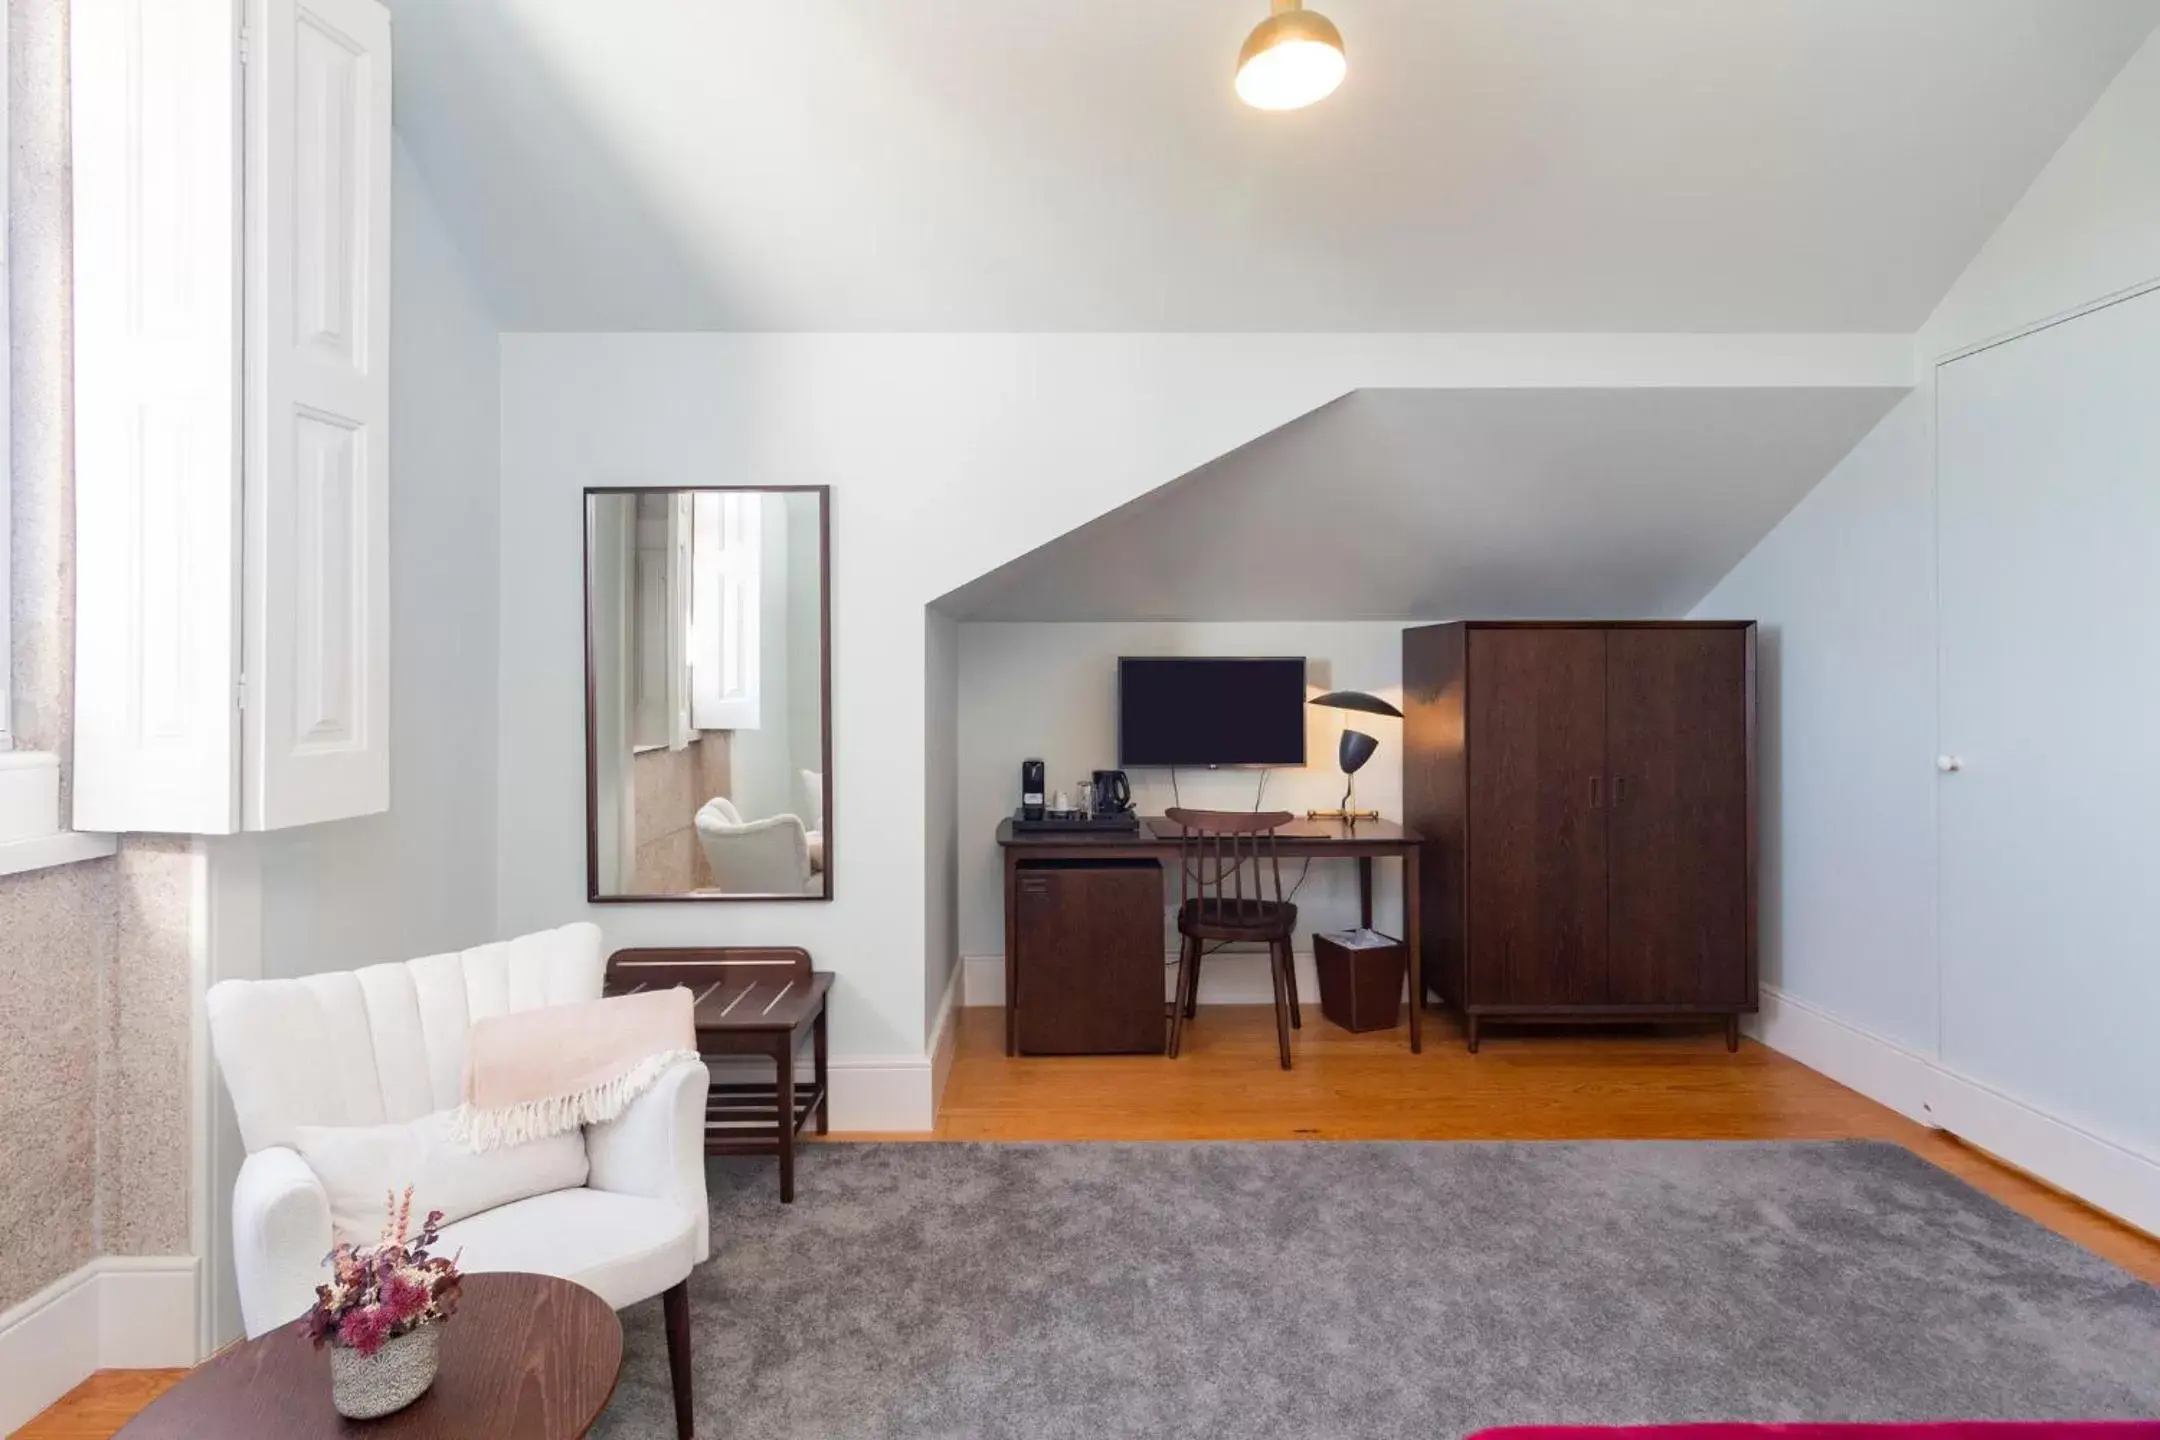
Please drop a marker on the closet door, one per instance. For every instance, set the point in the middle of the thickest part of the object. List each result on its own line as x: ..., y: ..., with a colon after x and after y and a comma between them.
x: 2049, y: 506
x: 1677, y: 748
x: 1537, y: 817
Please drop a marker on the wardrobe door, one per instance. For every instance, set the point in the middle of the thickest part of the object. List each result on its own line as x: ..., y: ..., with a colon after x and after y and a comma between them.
x: 1537, y: 817
x: 1677, y: 748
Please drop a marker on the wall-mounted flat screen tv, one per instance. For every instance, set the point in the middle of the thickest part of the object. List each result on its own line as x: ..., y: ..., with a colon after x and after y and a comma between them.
x: 1210, y: 711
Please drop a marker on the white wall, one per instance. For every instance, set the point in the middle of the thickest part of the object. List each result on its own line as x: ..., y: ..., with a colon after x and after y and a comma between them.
x: 947, y: 455
x: 2089, y: 225
x: 420, y: 877
x: 941, y: 815
x: 1050, y: 691
x: 1846, y: 588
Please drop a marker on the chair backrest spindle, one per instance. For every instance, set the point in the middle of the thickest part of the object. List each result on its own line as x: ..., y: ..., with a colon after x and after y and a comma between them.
x: 1215, y: 846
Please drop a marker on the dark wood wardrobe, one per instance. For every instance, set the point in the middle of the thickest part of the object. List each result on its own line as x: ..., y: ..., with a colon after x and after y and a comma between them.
x: 1587, y: 796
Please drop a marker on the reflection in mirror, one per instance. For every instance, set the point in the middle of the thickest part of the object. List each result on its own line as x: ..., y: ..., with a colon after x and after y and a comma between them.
x: 706, y: 706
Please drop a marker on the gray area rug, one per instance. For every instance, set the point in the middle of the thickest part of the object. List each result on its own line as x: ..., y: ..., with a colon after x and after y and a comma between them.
x: 1378, y: 1291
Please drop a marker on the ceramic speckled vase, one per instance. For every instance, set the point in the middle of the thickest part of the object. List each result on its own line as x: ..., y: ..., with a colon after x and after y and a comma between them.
x: 363, y: 1387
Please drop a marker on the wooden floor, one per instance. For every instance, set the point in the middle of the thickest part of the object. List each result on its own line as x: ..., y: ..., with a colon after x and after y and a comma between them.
x: 1528, y: 1085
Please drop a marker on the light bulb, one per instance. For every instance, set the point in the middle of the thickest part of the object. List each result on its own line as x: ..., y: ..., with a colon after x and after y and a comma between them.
x: 1291, y: 59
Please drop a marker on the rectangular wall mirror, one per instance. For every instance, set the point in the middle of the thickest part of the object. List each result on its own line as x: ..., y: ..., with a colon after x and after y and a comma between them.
x: 708, y: 704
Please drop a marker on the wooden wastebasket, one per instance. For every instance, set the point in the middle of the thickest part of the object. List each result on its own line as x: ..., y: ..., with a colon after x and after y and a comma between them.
x: 1361, y: 978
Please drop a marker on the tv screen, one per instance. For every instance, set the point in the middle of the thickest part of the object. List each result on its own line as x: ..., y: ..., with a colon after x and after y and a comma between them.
x: 1185, y: 711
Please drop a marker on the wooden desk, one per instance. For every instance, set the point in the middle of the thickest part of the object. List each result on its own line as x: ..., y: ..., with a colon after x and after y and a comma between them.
x: 1157, y: 841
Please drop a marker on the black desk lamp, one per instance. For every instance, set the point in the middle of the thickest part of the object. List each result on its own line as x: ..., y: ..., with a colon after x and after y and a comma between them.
x: 1357, y: 747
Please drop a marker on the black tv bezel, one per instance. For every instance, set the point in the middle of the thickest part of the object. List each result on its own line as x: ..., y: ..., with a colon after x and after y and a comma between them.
x: 1303, y: 662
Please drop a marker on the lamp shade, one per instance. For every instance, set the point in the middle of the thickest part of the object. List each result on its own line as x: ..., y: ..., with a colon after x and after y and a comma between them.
x: 1355, y: 700
x: 1291, y: 59
x: 1357, y: 747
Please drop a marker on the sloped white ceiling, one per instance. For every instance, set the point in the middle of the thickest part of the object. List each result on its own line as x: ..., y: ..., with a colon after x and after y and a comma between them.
x: 1498, y: 165
x: 1436, y: 504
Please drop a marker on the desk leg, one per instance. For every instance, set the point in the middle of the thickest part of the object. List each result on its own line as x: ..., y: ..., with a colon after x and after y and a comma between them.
x: 1012, y: 959
x: 1412, y: 894
x: 1364, y: 890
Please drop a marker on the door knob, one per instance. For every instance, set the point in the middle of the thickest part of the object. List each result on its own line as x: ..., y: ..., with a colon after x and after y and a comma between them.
x: 1949, y: 764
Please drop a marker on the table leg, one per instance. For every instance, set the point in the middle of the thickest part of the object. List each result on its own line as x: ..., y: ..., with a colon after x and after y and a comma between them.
x: 1012, y: 966
x: 1364, y: 890
x: 784, y: 1065
x: 823, y: 1072
x: 1411, y: 897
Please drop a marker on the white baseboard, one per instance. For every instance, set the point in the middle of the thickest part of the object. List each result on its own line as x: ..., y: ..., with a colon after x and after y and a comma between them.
x: 881, y: 1093
x: 885, y: 1093
x: 1880, y: 1068
x: 2104, y: 1174
x: 945, y: 1038
x: 1233, y: 977
x: 2101, y: 1172
x: 115, y: 1313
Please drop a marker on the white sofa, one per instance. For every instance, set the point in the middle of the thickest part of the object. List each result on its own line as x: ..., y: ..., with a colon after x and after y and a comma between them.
x: 387, y: 1044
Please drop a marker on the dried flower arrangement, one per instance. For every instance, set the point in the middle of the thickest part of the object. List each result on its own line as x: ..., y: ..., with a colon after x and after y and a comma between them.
x: 382, y: 1291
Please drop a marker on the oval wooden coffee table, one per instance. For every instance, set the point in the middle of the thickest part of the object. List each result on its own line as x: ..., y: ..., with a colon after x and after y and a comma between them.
x: 526, y: 1356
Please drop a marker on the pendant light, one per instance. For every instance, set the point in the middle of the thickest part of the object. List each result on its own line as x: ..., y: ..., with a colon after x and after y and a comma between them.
x: 1291, y: 59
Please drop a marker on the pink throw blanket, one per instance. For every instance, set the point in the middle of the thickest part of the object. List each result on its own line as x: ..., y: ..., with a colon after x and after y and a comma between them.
x: 536, y: 1073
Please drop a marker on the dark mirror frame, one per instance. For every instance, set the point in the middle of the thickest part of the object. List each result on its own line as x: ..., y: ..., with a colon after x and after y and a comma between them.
x: 592, y: 757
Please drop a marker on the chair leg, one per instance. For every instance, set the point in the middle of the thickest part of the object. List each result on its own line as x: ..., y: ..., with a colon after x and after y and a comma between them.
x: 1191, y: 998
x: 1277, y: 952
x: 676, y: 1303
x: 1289, y: 971
x: 1177, y: 994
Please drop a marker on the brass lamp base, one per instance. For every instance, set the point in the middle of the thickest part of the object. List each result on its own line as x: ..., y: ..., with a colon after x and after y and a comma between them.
x: 1348, y: 812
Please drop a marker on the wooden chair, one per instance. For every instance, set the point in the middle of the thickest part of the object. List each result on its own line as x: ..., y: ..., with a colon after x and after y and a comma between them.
x: 1214, y: 849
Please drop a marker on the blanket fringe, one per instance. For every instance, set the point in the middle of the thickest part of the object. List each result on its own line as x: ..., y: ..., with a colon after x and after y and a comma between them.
x: 529, y: 1120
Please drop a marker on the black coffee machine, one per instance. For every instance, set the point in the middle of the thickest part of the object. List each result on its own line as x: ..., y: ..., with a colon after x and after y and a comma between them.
x: 1113, y: 814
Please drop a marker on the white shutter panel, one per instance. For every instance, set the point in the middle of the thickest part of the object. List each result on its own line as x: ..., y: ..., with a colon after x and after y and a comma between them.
x: 727, y: 555
x: 317, y: 724
x: 156, y: 116
x: 678, y: 629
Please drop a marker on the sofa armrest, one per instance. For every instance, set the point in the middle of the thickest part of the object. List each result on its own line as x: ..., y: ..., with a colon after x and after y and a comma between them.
x: 281, y: 1233
x: 656, y: 1147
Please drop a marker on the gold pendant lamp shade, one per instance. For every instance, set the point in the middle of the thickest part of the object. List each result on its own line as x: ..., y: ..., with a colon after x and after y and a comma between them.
x: 1291, y: 59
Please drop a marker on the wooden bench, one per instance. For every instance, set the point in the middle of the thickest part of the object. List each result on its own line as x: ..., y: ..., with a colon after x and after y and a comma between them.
x: 750, y: 1001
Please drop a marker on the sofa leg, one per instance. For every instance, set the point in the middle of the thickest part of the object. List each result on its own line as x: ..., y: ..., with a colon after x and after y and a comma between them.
x: 676, y: 1302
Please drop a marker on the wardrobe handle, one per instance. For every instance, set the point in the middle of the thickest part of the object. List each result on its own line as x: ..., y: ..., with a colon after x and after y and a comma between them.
x: 1619, y: 790
x: 1596, y: 799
